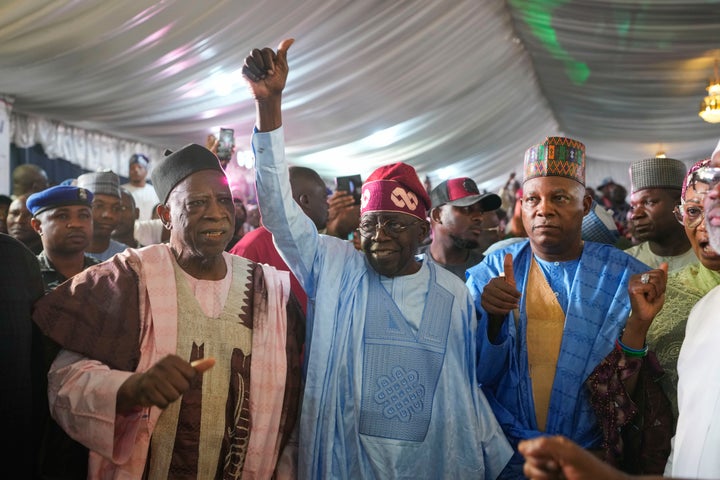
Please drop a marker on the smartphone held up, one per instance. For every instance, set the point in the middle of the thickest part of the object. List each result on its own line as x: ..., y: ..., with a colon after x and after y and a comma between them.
x: 351, y: 184
x: 226, y: 142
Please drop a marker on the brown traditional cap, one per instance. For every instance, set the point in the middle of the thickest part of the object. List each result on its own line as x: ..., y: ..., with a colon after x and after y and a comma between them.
x: 556, y: 157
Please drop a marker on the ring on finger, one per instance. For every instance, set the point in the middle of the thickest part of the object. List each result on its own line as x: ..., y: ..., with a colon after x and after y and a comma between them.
x: 645, y: 278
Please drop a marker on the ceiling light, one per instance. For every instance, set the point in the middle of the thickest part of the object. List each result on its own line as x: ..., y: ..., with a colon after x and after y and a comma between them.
x: 710, y: 106
x: 445, y: 173
x: 382, y: 138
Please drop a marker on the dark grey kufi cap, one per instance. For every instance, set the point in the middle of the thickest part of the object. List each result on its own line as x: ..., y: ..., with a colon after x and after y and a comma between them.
x: 657, y: 173
x: 100, y: 183
x: 177, y: 166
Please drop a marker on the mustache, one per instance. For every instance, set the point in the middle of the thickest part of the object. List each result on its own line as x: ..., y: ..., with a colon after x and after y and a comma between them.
x: 711, y: 204
x: 543, y: 224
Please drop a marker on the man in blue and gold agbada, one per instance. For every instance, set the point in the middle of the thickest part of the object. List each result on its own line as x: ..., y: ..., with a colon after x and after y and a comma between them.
x: 551, y: 310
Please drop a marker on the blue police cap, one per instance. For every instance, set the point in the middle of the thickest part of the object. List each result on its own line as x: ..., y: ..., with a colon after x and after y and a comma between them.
x: 59, y: 196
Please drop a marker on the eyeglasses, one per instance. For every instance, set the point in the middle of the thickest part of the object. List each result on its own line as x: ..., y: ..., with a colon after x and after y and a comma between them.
x: 391, y: 227
x: 709, y: 175
x: 689, y: 214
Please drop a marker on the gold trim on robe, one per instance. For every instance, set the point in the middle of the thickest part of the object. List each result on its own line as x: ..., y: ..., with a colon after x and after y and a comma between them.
x: 545, y: 324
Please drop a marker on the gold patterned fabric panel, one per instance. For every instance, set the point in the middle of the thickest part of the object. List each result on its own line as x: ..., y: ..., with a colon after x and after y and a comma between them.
x: 545, y: 323
x: 216, y: 449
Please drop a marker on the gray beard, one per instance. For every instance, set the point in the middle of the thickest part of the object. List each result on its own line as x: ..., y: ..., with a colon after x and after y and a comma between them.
x: 464, y: 244
x: 714, y: 237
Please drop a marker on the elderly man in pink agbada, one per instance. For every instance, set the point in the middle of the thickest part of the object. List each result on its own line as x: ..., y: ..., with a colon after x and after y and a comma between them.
x: 180, y: 360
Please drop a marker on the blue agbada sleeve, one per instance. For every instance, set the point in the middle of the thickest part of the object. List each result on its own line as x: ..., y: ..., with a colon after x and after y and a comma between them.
x: 294, y: 234
x: 319, y: 262
x: 493, y: 358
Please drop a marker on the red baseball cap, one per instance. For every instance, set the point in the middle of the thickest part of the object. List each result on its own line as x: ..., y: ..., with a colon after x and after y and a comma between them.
x: 463, y: 192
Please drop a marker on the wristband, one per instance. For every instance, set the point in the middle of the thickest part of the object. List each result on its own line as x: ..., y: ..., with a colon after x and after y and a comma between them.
x: 631, y: 352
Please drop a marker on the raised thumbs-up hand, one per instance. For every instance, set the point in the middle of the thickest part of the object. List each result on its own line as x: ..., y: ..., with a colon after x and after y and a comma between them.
x: 500, y: 296
x: 508, y: 270
x: 161, y: 384
x: 266, y: 72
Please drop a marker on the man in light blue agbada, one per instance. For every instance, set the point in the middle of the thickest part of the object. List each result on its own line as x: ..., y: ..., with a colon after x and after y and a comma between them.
x: 391, y: 389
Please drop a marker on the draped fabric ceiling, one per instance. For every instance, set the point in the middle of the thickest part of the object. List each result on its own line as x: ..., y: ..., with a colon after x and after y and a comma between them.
x: 453, y: 87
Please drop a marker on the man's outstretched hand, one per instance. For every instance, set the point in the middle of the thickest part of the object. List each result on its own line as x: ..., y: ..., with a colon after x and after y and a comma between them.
x: 161, y: 384
x: 266, y: 71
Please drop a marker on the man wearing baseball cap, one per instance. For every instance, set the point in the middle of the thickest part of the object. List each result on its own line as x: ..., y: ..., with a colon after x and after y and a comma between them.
x: 390, y: 384
x: 456, y: 223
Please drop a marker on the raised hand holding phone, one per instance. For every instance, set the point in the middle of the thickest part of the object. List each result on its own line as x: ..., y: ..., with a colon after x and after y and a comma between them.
x: 351, y: 184
x: 226, y: 143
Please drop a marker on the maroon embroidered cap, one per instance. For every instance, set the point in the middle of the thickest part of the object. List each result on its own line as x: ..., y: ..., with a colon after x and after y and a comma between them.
x: 395, y: 188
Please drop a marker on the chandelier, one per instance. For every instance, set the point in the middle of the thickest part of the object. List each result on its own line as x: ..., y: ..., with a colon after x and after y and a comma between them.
x: 710, y: 106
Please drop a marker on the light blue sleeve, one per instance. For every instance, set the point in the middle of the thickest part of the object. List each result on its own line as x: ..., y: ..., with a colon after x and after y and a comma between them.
x: 294, y: 234
x: 311, y: 256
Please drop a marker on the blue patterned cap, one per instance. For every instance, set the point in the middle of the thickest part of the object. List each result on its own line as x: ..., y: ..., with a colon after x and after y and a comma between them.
x: 598, y: 225
x: 59, y: 196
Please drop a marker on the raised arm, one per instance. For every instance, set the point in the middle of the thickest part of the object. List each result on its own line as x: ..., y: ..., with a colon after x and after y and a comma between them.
x: 647, y: 295
x: 294, y: 234
x: 266, y: 73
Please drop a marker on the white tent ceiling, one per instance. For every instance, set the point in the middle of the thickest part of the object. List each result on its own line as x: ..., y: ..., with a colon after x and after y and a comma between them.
x: 454, y: 88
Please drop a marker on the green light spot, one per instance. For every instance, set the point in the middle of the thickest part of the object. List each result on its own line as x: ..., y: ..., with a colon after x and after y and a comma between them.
x: 538, y: 16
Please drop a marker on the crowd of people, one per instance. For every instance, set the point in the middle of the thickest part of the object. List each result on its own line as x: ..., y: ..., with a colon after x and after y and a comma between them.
x: 167, y: 328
